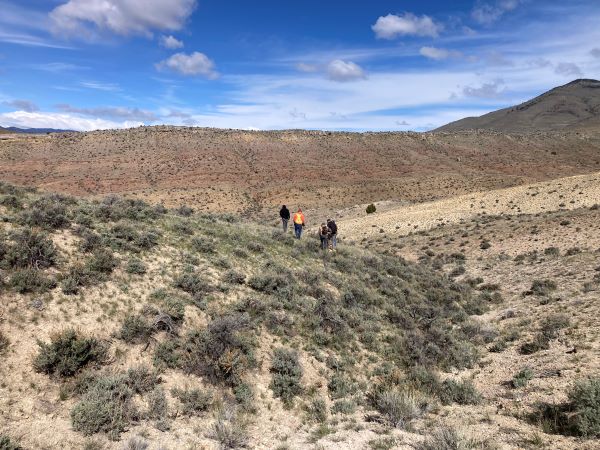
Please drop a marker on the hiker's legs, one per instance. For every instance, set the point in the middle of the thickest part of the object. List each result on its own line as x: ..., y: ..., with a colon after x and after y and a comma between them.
x: 324, y: 243
x: 284, y: 222
x: 298, y: 230
x: 334, y: 241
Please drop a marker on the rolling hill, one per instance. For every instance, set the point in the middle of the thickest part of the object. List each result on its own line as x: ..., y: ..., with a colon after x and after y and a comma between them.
x: 575, y: 105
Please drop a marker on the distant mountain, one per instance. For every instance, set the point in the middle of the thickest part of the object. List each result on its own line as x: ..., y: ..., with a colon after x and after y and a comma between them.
x: 32, y: 130
x: 573, y: 106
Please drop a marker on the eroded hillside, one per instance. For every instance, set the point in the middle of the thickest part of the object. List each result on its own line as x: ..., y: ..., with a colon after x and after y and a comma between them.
x: 232, y: 170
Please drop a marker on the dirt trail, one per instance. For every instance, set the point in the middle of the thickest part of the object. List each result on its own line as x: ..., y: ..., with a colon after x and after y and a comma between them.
x: 563, y: 193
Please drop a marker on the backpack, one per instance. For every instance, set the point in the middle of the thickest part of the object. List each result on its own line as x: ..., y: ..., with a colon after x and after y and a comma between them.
x: 333, y: 227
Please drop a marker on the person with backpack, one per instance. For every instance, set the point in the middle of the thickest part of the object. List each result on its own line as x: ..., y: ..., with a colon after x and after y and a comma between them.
x: 334, y: 230
x: 284, y: 213
x: 299, y: 223
x: 324, y: 235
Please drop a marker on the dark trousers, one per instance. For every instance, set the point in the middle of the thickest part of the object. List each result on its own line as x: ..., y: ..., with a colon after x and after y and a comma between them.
x: 298, y: 230
x: 284, y: 222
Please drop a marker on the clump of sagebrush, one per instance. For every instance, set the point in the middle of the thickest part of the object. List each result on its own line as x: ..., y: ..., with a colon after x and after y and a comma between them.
x: 29, y: 280
x: 30, y: 249
x: 68, y: 353
x: 400, y: 407
x: 522, y: 378
x: 542, y: 287
x: 4, y: 343
x: 96, y: 269
x: 549, y: 330
x: 229, y: 429
x: 193, y: 401
x: 579, y: 416
x: 223, y: 351
x: 446, y: 439
x: 106, y: 406
x: 286, y: 375
x: 6, y: 443
x: 49, y: 212
x: 136, y: 267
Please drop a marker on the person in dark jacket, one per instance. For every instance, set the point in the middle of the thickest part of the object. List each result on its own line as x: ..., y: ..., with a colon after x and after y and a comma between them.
x: 333, y: 233
x: 284, y: 213
x: 324, y: 235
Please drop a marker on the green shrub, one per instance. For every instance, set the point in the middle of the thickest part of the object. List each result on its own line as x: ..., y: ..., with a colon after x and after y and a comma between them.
x: 25, y: 281
x: 344, y: 406
x: 135, y: 266
x: 167, y: 354
x: 223, y: 351
x: 7, y: 443
x: 141, y: 379
x: 4, y: 343
x: 542, y: 287
x: 522, y: 378
x: 244, y: 395
x: 229, y: 430
x: 192, y: 283
x: 102, y: 261
x: 584, y: 399
x: 203, y: 245
x: 106, y: 406
x: 286, y: 373
x: 158, y: 408
x: 316, y: 410
x: 579, y: 416
x: 31, y: 249
x: 461, y: 392
x: 68, y: 353
x: 399, y: 407
x: 135, y: 329
x: 371, y: 208
x: 446, y: 439
x: 193, y: 401
x: 234, y: 277
x: 48, y: 212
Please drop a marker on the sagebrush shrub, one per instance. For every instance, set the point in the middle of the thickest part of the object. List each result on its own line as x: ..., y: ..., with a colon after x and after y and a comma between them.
x: 399, y: 407
x: 25, y: 281
x: 106, y: 406
x: 461, y: 392
x: 7, y: 443
x: 193, y: 401
x: 68, y: 353
x: 446, y: 439
x: 223, y: 351
x: 31, y: 249
x: 286, y: 375
x: 48, y: 212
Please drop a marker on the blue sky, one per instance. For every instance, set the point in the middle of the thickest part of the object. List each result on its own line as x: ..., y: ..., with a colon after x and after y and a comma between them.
x: 379, y: 65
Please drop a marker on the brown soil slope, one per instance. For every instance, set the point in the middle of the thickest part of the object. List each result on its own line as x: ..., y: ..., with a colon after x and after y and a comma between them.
x: 229, y: 170
x: 572, y: 106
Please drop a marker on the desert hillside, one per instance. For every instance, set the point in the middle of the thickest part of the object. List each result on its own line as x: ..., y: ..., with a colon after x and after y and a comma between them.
x: 575, y: 105
x: 235, y: 171
x: 127, y: 325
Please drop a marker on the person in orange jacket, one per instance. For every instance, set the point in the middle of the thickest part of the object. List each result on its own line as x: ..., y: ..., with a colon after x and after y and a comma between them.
x: 299, y: 223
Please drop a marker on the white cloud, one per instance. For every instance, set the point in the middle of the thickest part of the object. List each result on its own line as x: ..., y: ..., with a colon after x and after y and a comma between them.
x: 23, y: 119
x: 568, y: 70
x: 124, y: 17
x: 486, y: 90
x: 439, y: 53
x: 170, y: 42
x: 111, y: 112
x: 21, y: 105
x: 488, y: 13
x: 307, y: 68
x: 194, y: 64
x: 408, y: 24
x: 342, y: 71
x: 595, y: 52
x: 108, y: 87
